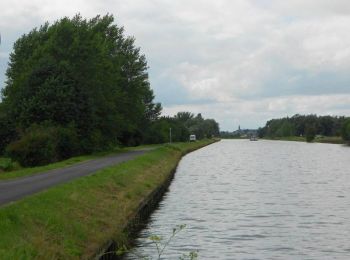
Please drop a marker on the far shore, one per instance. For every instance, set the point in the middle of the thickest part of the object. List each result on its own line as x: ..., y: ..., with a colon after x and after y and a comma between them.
x: 321, y: 139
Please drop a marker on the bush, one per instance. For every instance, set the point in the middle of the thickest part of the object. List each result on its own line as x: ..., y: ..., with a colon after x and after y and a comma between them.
x: 36, y: 147
x: 6, y: 164
x: 43, y: 144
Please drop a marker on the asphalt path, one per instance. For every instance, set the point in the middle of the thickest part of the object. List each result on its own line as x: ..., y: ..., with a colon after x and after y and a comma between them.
x: 16, y: 189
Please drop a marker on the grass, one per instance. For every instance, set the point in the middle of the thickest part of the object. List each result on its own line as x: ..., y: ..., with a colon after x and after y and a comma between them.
x: 73, y: 220
x: 318, y: 139
x: 17, y: 171
x: 329, y: 139
x: 288, y: 138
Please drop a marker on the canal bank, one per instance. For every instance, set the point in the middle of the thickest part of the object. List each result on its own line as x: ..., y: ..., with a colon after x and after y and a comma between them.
x: 322, y: 139
x: 78, y: 219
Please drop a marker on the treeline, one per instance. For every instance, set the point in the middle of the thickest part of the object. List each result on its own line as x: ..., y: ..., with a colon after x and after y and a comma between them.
x: 182, y: 125
x: 244, y: 133
x: 305, y: 125
x: 79, y: 86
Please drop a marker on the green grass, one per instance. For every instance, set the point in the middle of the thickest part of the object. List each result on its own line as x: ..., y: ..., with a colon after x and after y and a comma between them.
x: 329, y: 140
x: 73, y: 220
x: 287, y: 138
x: 321, y: 139
x: 17, y: 171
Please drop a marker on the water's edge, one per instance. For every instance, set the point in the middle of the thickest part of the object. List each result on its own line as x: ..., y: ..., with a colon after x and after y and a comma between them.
x: 141, y: 216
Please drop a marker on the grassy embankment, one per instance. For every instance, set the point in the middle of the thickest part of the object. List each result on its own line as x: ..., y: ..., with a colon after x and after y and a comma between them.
x: 324, y: 139
x: 73, y: 220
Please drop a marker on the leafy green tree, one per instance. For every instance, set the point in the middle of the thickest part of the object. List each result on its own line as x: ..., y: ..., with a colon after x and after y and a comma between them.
x: 79, y: 73
x: 184, y: 117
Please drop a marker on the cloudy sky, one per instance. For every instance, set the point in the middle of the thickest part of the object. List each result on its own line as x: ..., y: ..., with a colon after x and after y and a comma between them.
x: 241, y: 62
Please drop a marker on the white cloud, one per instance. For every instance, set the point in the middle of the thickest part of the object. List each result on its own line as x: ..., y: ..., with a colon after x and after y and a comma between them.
x: 261, y: 58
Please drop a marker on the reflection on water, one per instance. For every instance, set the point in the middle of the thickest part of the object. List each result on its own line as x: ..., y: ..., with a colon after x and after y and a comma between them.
x: 257, y: 200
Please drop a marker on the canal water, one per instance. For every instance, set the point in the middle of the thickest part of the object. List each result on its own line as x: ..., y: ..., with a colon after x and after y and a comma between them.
x: 256, y: 200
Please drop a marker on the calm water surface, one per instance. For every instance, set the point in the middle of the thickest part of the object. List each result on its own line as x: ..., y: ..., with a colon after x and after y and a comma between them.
x: 257, y: 200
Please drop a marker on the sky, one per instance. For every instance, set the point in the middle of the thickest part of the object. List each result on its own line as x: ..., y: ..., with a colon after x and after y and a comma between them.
x: 241, y: 62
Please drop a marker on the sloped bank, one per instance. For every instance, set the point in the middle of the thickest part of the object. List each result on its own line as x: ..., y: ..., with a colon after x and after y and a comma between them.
x: 78, y: 219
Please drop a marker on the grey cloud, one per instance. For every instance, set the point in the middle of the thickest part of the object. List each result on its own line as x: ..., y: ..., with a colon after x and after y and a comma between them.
x: 237, y: 60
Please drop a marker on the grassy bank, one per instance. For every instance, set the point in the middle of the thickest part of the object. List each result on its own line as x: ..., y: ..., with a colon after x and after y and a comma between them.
x: 323, y: 139
x: 330, y: 140
x: 74, y: 220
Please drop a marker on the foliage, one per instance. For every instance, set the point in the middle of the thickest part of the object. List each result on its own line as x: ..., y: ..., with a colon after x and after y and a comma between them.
x: 302, y: 125
x: 67, y: 142
x: 346, y: 131
x: 182, y: 125
x: 82, y: 75
x: 43, y: 144
x: 36, y: 147
x: 202, y: 128
x: 6, y: 164
x: 310, y: 133
x: 7, y: 130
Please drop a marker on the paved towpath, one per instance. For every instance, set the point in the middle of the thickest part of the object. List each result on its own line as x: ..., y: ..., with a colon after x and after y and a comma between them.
x: 12, y: 190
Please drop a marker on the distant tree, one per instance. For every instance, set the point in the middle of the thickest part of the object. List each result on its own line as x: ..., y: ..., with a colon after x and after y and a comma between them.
x: 182, y: 125
x: 184, y: 116
x: 310, y: 133
x: 286, y: 129
x: 159, y: 131
x: 211, y: 128
x: 345, y: 132
x: 298, y: 124
x: 261, y: 132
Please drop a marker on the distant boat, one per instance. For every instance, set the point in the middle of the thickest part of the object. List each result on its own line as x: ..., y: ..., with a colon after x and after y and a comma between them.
x: 253, y: 138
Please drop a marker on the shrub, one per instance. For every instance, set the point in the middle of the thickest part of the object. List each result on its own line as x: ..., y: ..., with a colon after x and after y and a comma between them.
x: 43, y: 144
x: 37, y: 146
x: 6, y: 164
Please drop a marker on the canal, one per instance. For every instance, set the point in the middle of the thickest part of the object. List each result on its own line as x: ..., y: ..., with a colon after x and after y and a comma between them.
x: 256, y: 200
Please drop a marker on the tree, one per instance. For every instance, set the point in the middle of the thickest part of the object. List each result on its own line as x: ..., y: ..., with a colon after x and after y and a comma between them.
x: 81, y: 73
x: 310, y: 133
x: 298, y: 124
x: 184, y: 116
x: 345, y: 132
x: 7, y: 130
